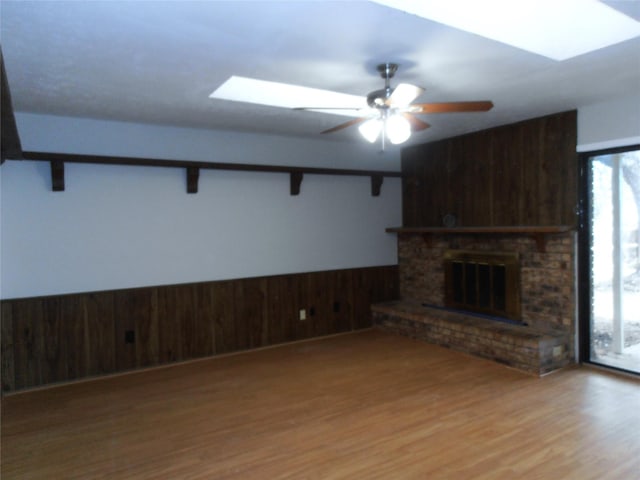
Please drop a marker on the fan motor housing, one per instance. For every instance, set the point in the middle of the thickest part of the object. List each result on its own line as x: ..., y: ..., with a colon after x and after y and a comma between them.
x: 377, y: 98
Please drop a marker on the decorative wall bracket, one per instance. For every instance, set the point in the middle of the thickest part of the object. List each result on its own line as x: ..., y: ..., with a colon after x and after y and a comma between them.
x: 376, y: 185
x: 57, y: 176
x: 193, y: 174
x: 295, y: 179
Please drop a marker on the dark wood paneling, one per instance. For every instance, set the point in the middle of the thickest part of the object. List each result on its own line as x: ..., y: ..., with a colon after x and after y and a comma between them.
x: 478, y: 183
x: 560, y: 180
x: 520, y: 174
x: 203, y: 336
x: 282, y: 308
x: 28, y: 339
x: 8, y: 347
x: 251, y: 313
x: 425, y: 200
x: 146, y: 328
x: 299, y: 292
x: 434, y: 200
x: 506, y: 183
x: 370, y: 286
x: 319, y: 303
x: 99, y: 333
x: 224, y: 328
x: 72, y: 325
x: 58, y: 338
x: 340, y: 308
x: 54, y: 341
x: 172, y: 306
x: 286, y: 297
x: 410, y: 178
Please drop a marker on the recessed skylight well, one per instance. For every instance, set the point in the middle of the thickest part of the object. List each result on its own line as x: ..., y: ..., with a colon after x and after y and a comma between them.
x: 275, y: 94
x: 556, y: 29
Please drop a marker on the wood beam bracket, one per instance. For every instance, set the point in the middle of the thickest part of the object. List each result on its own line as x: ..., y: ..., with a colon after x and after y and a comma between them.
x: 376, y: 184
x: 295, y: 179
x: 57, y: 175
x: 193, y: 174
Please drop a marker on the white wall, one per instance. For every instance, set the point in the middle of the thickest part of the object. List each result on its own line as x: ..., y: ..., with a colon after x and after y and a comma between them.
x: 610, y: 124
x: 119, y: 227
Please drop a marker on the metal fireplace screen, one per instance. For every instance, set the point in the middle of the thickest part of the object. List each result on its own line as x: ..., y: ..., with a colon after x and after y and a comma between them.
x: 484, y: 282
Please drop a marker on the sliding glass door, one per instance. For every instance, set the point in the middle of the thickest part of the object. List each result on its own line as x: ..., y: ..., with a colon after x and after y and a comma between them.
x: 610, y: 262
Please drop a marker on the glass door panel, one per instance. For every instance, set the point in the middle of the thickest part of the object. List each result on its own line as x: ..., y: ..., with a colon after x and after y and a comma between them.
x: 614, y: 245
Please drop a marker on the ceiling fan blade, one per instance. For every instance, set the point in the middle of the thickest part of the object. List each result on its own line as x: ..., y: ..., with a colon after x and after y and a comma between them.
x: 403, y: 95
x: 451, y: 107
x: 355, y: 121
x: 416, y: 123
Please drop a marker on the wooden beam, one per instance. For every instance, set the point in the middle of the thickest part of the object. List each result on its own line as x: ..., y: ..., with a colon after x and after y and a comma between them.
x: 11, y: 148
x: 194, y: 167
x: 242, y: 167
x: 193, y: 173
x: 57, y: 176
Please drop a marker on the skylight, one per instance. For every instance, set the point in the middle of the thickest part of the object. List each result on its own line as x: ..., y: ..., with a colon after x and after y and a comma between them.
x: 262, y: 92
x: 557, y: 29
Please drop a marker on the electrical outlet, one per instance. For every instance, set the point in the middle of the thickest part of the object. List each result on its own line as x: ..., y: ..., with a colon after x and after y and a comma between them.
x: 303, y: 314
x: 557, y: 351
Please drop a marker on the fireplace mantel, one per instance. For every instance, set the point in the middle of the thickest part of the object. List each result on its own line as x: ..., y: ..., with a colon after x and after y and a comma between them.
x: 530, y: 229
x: 538, y: 232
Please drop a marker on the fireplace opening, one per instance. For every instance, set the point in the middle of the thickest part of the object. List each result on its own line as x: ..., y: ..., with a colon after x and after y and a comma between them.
x: 484, y: 282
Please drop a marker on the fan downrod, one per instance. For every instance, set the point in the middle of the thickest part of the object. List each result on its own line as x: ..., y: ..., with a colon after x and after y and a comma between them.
x: 377, y: 98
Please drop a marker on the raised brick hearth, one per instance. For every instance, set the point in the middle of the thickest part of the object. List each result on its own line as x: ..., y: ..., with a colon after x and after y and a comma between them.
x: 522, y: 347
x: 547, y: 276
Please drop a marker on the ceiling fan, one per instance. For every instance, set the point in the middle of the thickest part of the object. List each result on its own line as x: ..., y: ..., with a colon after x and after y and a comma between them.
x: 391, y: 112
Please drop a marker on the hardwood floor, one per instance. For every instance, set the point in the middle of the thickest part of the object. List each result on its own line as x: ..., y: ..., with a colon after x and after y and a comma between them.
x: 357, y: 406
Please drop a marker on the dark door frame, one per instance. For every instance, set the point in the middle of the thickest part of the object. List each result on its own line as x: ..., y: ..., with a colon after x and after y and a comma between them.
x: 584, y: 252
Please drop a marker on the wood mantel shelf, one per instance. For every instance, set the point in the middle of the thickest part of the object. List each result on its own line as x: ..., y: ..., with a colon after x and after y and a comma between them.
x: 538, y: 232
x: 533, y: 229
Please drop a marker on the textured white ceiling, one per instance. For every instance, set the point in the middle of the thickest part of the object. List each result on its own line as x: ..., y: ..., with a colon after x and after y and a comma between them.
x: 157, y: 62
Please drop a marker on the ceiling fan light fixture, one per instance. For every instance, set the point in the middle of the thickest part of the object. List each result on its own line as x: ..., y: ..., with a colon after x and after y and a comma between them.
x: 371, y: 129
x: 397, y: 129
x: 391, y: 113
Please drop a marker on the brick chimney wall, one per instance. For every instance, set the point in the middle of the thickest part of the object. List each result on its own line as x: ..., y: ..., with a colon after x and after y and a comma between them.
x: 547, y: 274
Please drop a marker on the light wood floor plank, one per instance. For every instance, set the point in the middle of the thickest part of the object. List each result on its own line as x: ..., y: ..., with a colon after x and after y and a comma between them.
x: 364, y: 405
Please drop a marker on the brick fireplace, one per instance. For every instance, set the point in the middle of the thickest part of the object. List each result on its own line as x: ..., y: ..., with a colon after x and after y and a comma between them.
x: 510, y: 190
x: 546, y: 276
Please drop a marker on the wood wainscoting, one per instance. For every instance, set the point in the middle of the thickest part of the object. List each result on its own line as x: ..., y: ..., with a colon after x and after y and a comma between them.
x: 53, y: 339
